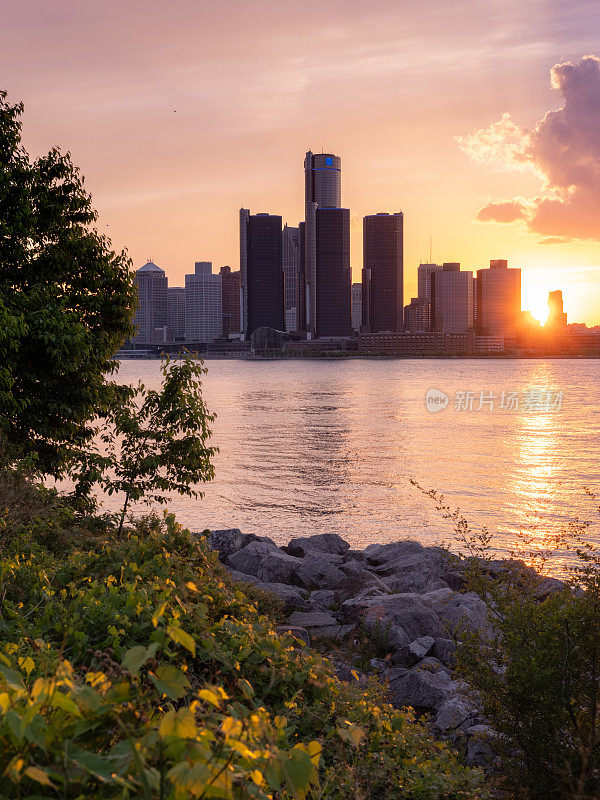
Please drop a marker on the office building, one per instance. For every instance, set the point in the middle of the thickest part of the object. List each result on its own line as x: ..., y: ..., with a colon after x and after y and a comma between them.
x: 451, y: 299
x: 291, y: 272
x: 416, y: 315
x: 230, y: 285
x: 498, y: 304
x: 556, y: 318
x: 152, y: 310
x: 356, y: 307
x: 261, y: 267
x: 176, y: 295
x: 203, y: 304
x: 332, y: 307
x: 424, y: 273
x: 383, y: 258
x: 326, y: 249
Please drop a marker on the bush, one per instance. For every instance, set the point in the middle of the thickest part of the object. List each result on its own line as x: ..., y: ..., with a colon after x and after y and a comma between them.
x: 135, y: 667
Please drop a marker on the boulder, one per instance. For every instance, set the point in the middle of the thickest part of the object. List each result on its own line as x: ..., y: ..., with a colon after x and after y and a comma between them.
x: 250, y: 557
x: 548, y: 586
x: 452, y: 713
x: 336, y: 631
x: 293, y: 597
x: 412, y: 653
x: 347, y: 673
x: 406, y: 611
x: 420, y: 689
x: 315, y: 572
x: 277, y: 566
x: 294, y: 630
x: 359, y: 582
x: 480, y: 751
x: 322, y: 599
x: 382, y: 553
x: 458, y: 611
x: 320, y: 543
x: 228, y: 541
x: 312, y: 619
x: 444, y: 650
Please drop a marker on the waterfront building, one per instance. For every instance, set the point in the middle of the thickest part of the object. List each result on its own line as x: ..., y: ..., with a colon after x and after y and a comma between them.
x: 498, y: 305
x: 326, y: 259
x: 356, y: 306
x: 383, y: 272
x: 230, y: 286
x: 152, y: 309
x: 424, y: 273
x: 261, y: 267
x: 291, y: 272
x: 417, y: 343
x: 556, y: 318
x: 203, y: 304
x: 451, y: 299
x: 176, y: 317
x: 416, y: 315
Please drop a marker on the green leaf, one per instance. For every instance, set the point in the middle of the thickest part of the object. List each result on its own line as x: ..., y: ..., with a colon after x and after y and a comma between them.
x: 60, y: 700
x: 92, y: 763
x: 170, y: 681
x: 136, y: 657
x: 37, y: 774
x: 181, y: 637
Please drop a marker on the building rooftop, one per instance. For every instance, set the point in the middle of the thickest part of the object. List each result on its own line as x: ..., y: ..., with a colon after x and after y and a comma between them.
x: 150, y: 266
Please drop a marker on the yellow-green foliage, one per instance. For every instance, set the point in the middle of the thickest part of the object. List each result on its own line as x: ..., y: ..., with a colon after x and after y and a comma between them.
x: 134, y: 668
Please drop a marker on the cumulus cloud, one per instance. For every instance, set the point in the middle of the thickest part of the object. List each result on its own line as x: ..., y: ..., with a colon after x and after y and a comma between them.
x: 563, y: 149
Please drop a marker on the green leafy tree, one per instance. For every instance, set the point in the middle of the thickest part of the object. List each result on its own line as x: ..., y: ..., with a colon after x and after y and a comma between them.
x: 156, y: 441
x: 66, y: 303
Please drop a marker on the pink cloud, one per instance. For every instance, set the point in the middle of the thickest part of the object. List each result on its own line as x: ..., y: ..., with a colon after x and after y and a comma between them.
x: 563, y: 149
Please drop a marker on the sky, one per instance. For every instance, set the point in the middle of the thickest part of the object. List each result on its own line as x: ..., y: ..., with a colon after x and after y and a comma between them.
x: 480, y: 121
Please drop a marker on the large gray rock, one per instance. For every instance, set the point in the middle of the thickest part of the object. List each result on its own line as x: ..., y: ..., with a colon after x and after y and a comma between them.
x: 250, y: 557
x: 410, y: 567
x: 322, y: 599
x: 359, y: 581
x: 452, y: 713
x: 459, y: 611
x: 411, y: 654
x: 406, y: 611
x: 480, y: 752
x: 384, y: 553
x: 320, y: 543
x: 315, y: 572
x: 312, y: 619
x: 293, y: 597
x: 229, y: 541
x: 421, y: 689
x: 445, y: 651
x: 294, y: 630
x: 277, y: 566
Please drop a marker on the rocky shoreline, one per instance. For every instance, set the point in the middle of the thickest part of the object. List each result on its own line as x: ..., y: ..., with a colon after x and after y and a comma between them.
x: 412, y: 596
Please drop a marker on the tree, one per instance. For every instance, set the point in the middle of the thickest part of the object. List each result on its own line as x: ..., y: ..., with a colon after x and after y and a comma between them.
x: 66, y: 304
x: 155, y: 441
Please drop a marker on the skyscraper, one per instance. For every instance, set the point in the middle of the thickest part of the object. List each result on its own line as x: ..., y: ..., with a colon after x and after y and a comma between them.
x: 326, y: 248
x: 291, y: 272
x: 230, y: 284
x: 261, y: 267
x: 357, y: 289
x: 152, y: 311
x: 424, y: 273
x: 451, y: 299
x: 177, y: 312
x: 416, y: 315
x: 498, y: 300
x: 556, y: 318
x: 383, y: 257
x: 203, y: 304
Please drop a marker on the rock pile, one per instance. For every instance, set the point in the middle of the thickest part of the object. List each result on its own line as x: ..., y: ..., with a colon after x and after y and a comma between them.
x: 412, y: 595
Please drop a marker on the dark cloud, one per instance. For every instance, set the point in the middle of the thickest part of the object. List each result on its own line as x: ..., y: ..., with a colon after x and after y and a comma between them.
x: 563, y: 149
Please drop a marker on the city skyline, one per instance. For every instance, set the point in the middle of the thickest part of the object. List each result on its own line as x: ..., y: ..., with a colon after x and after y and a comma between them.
x: 176, y: 124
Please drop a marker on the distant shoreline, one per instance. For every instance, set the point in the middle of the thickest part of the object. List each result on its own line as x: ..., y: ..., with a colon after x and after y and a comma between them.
x: 361, y: 357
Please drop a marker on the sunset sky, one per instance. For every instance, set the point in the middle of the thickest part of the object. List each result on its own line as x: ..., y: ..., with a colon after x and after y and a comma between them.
x: 180, y: 112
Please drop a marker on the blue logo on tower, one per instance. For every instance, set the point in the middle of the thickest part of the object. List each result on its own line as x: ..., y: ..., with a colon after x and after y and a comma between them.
x: 329, y: 161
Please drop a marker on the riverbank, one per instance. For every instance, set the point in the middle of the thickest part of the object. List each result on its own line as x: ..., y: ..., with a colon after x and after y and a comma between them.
x: 394, y: 610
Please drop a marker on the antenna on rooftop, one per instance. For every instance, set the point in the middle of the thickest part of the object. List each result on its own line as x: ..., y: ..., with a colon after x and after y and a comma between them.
x: 430, y: 251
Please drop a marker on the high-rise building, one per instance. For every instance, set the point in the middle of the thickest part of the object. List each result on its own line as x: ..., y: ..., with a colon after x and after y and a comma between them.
x: 424, y: 273
x: 326, y: 248
x: 333, y: 314
x: 152, y: 310
x: 203, y: 304
x: 177, y: 312
x: 383, y: 257
x: 556, y: 318
x: 356, y: 306
x: 416, y: 315
x: 451, y: 299
x: 261, y: 267
x: 498, y: 305
x: 291, y: 271
x: 230, y: 284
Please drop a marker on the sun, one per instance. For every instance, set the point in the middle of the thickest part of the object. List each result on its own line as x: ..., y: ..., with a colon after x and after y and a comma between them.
x: 535, y: 299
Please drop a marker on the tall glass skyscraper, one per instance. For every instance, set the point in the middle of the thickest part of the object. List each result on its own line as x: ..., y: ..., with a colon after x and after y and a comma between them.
x: 326, y: 248
x: 383, y: 273
x: 261, y: 267
x: 498, y: 300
